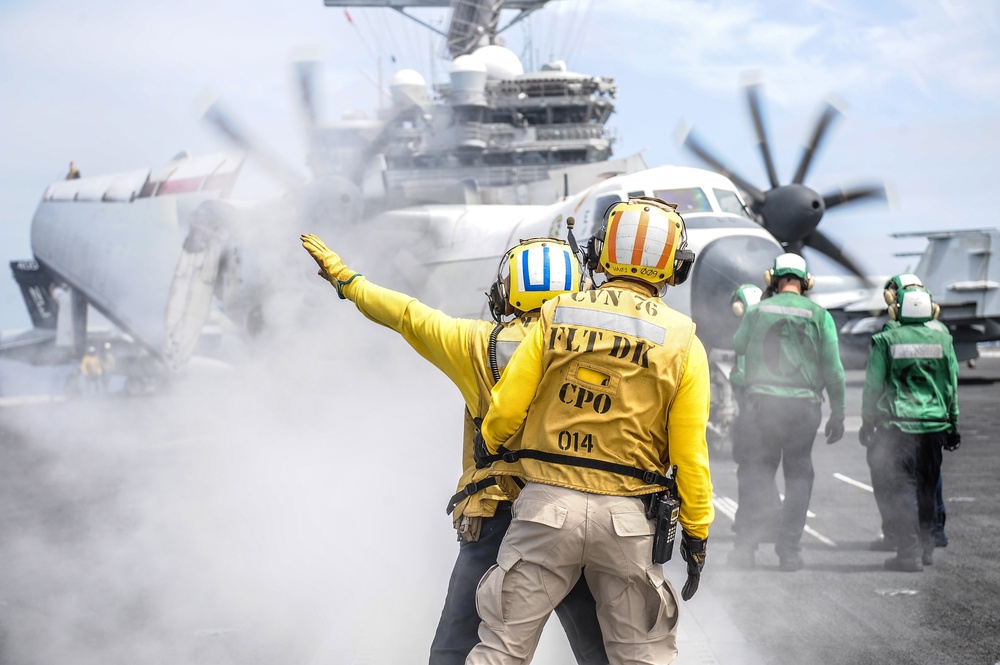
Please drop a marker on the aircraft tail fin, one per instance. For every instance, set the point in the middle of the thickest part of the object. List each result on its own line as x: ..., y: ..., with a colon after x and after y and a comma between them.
x: 36, y: 288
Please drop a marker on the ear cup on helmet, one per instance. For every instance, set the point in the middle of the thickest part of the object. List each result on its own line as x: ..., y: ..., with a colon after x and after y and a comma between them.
x: 769, y: 278
x: 739, y: 309
x: 808, y: 283
x: 683, y: 260
x: 497, y: 300
x: 935, y: 310
x: 894, y: 311
x: 592, y: 254
x: 889, y: 295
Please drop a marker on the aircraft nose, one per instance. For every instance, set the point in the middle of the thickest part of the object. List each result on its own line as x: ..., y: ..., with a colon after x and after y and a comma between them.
x: 719, y: 268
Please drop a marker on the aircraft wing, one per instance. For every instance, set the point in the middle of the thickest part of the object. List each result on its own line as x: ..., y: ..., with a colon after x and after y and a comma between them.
x: 26, y: 345
x: 117, y: 239
x: 959, y: 269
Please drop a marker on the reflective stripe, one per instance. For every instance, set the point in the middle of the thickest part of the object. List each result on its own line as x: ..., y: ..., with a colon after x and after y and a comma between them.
x: 916, y: 351
x: 541, y: 270
x: 620, y: 323
x: 504, y: 352
x: 632, y: 240
x: 787, y: 311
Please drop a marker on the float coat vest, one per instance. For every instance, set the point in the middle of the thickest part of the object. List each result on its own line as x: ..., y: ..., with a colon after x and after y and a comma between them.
x: 459, y: 348
x: 911, y: 381
x: 603, y: 370
x: 790, y: 349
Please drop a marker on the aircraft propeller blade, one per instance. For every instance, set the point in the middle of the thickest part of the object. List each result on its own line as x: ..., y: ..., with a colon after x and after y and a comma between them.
x: 830, y: 113
x: 820, y: 242
x: 695, y: 146
x: 842, y: 196
x: 753, y: 99
x: 305, y: 86
x: 223, y: 122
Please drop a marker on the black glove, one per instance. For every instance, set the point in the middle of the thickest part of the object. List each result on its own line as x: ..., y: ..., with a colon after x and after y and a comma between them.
x: 954, y: 440
x: 692, y: 551
x: 479, y: 451
x: 834, y: 429
x: 866, y: 435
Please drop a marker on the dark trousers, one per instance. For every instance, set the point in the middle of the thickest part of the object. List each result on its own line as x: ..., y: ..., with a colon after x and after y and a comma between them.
x: 883, y: 495
x: 940, y: 537
x: 458, y: 629
x: 778, y: 431
x: 769, y: 517
x: 909, y: 465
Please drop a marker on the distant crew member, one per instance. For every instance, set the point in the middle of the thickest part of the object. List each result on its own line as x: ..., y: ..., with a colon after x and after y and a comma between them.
x: 90, y: 368
x: 909, y: 413
x: 473, y: 355
x: 887, y: 542
x: 73, y: 173
x: 612, y: 390
x: 791, y: 351
x: 743, y: 298
x: 108, y: 365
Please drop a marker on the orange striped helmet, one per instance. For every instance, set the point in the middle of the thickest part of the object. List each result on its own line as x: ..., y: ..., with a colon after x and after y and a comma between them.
x: 645, y: 238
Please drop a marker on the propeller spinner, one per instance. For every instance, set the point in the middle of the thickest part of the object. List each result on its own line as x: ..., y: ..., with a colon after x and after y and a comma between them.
x: 793, y: 211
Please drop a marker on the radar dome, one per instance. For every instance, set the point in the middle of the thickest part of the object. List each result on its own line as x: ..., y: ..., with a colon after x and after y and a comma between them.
x: 408, y: 87
x: 501, y: 63
x: 468, y: 80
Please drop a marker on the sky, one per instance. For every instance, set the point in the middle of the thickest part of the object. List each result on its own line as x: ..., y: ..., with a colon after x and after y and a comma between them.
x: 116, y: 86
x: 233, y: 501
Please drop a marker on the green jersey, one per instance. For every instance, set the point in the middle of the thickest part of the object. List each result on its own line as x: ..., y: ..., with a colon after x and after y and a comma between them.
x: 912, y: 379
x: 789, y: 345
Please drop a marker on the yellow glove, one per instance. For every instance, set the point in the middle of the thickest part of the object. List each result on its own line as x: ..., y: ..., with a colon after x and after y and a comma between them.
x: 330, y: 265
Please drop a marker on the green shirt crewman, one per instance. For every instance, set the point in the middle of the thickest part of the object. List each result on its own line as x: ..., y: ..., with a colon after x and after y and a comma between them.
x: 909, y: 413
x: 792, y: 356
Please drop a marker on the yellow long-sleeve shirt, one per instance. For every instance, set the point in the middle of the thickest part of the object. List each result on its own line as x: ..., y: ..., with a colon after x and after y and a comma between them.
x: 458, y: 347
x: 613, y: 375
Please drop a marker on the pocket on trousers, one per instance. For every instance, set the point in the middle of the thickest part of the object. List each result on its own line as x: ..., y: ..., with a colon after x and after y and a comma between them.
x: 539, y: 512
x: 495, y: 593
x: 632, y: 523
x: 661, y: 605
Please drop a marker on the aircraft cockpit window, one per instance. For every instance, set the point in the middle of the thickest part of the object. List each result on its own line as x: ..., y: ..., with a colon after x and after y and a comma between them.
x: 690, y: 199
x: 729, y: 201
x: 600, y: 208
x: 638, y: 193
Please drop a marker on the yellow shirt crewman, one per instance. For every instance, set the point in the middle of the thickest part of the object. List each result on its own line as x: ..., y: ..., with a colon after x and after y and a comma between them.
x: 612, y: 390
x: 473, y: 353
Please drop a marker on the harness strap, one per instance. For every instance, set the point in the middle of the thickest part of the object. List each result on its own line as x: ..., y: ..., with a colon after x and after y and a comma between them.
x: 648, y: 477
x: 469, y: 490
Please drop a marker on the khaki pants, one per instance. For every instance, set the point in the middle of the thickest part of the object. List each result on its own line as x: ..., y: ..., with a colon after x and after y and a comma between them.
x: 557, y: 533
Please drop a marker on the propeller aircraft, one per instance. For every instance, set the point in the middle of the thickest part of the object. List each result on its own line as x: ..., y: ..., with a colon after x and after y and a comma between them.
x: 160, y: 253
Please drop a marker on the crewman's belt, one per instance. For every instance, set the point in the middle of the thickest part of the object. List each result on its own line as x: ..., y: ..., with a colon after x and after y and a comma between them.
x: 890, y: 421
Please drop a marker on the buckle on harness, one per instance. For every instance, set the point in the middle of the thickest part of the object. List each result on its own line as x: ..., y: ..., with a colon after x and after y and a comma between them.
x: 649, y: 477
x: 470, y: 489
x: 510, y: 457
